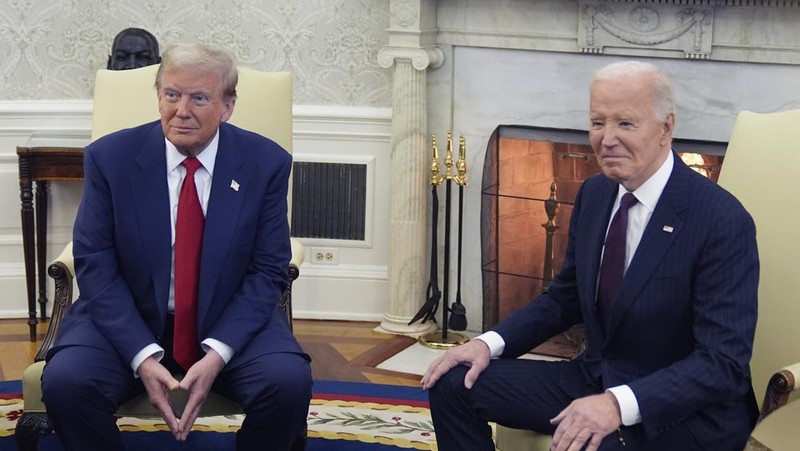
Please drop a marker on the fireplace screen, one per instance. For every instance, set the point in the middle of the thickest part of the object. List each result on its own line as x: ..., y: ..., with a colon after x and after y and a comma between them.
x: 531, y: 176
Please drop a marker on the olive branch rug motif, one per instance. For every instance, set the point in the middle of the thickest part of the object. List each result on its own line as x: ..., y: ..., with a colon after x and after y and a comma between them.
x: 342, y: 415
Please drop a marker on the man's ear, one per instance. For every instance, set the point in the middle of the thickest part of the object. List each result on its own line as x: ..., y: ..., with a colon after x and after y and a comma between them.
x: 668, y: 128
x: 108, y: 64
x: 228, y: 111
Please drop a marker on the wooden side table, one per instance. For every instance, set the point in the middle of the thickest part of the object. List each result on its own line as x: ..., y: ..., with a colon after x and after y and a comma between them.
x: 41, y: 164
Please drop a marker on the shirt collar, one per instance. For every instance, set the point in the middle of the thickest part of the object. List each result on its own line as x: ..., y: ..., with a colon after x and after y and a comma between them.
x: 650, y: 191
x: 206, y: 156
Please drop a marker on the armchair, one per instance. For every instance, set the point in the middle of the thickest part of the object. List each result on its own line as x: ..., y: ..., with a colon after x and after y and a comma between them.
x: 760, y: 169
x: 124, y: 99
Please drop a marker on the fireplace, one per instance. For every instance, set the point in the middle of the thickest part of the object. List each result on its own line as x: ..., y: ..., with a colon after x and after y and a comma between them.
x: 531, y: 177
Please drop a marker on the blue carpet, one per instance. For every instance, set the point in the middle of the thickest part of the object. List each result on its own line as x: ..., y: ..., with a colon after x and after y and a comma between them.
x: 214, y: 441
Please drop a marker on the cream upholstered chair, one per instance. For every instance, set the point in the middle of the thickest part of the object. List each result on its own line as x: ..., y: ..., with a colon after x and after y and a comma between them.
x: 760, y: 169
x: 125, y: 99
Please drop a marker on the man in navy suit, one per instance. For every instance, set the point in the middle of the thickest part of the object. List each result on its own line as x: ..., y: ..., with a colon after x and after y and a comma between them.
x: 667, y: 359
x: 117, y: 339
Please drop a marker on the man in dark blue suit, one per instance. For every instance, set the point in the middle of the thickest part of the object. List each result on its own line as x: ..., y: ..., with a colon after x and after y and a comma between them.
x: 668, y: 350
x: 117, y: 339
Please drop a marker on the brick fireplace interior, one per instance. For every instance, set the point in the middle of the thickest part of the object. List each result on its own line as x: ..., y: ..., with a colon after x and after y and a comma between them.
x: 531, y: 176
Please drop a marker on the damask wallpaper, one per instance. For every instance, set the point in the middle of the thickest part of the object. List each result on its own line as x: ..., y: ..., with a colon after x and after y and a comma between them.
x: 51, y: 50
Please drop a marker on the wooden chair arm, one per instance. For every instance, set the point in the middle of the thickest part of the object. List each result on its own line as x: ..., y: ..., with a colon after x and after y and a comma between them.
x: 298, y: 255
x: 780, y: 385
x: 61, y: 270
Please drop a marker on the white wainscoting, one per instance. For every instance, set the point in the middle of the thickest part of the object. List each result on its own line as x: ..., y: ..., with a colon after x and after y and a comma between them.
x: 353, y: 289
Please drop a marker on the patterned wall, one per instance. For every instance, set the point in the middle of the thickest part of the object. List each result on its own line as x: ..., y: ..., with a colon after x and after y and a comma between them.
x: 51, y: 49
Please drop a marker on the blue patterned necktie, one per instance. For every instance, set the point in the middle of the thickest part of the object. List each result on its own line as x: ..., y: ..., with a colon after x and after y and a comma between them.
x: 612, y: 268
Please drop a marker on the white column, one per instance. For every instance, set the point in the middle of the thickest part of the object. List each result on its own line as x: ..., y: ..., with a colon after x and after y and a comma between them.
x: 410, y: 188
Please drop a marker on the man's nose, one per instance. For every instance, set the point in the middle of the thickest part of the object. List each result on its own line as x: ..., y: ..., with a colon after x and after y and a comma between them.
x: 184, y: 107
x: 609, y: 135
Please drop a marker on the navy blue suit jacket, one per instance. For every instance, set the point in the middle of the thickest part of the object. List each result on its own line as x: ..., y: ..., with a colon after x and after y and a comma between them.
x: 681, y: 328
x: 123, y: 250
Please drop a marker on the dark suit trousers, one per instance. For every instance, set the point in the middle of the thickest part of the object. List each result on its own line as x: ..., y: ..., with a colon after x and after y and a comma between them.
x: 83, y: 387
x: 524, y: 394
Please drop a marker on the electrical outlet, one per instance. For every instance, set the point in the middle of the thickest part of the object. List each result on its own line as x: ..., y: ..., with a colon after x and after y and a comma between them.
x: 325, y: 255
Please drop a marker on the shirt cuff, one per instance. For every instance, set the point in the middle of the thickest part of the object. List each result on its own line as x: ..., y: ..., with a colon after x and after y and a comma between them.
x: 494, y: 341
x: 150, y: 350
x: 628, y: 405
x: 224, y: 351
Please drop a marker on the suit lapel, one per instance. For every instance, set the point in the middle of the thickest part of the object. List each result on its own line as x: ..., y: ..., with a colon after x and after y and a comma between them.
x: 664, y: 226
x: 221, y: 216
x: 150, y: 195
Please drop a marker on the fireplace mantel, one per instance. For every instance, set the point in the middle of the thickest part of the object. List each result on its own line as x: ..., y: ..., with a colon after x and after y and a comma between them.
x: 756, y: 31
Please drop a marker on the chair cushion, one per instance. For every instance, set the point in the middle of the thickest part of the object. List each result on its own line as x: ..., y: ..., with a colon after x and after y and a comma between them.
x: 509, y: 439
x: 32, y: 388
x: 215, y: 405
x: 780, y: 429
x: 138, y: 407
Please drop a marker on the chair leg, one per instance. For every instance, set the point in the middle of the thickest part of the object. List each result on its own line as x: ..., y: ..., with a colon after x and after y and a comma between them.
x: 30, y: 427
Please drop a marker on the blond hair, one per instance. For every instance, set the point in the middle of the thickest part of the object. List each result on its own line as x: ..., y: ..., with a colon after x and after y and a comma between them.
x: 181, y: 56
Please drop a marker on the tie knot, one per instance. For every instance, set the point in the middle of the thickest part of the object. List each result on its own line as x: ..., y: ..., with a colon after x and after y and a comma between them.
x: 191, y: 164
x: 628, y: 200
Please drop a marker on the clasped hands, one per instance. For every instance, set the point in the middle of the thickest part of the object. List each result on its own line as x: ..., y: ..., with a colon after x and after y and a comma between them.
x: 159, y: 382
x: 584, y: 422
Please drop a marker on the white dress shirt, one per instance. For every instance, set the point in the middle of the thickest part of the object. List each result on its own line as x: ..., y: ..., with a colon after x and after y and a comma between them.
x: 638, y: 216
x: 176, y: 172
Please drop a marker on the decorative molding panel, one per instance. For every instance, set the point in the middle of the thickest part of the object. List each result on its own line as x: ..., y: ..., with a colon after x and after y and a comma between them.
x: 662, y: 31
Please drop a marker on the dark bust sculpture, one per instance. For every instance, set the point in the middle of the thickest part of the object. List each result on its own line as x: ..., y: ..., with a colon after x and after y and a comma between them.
x: 132, y: 48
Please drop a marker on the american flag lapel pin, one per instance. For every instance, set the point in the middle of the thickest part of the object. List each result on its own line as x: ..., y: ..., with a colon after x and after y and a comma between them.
x: 234, y: 185
x: 667, y: 229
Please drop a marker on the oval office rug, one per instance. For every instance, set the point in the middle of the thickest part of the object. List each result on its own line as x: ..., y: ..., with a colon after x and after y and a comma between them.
x: 342, y: 415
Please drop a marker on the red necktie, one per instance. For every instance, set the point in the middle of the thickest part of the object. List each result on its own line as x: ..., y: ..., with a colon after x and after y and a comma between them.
x: 612, y: 268
x: 188, y: 245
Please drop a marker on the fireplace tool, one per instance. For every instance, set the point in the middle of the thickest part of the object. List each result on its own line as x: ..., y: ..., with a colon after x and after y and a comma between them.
x: 433, y: 295
x: 440, y: 339
x: 458, y: 314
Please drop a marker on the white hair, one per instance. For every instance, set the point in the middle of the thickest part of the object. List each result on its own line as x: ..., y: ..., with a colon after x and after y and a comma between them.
x: 664, y: 97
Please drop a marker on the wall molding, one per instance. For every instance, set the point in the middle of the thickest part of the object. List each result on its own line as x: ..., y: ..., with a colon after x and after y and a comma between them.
x: 354, y: 272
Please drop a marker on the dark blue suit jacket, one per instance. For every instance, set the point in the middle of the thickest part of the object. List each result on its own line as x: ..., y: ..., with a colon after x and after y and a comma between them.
x: 682, y: 325
x: 123, y: 250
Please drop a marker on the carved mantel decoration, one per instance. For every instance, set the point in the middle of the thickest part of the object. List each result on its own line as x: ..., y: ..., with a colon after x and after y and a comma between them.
x: 668, y: 28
